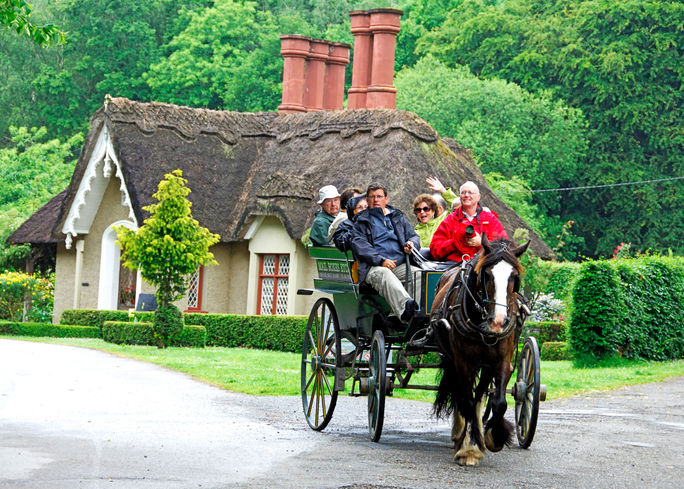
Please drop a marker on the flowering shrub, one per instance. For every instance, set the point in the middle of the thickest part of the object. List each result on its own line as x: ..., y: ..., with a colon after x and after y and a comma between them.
x: 547, y: 308
x: 26, y: 297
x: 128, y: 295
x: 622, y: 251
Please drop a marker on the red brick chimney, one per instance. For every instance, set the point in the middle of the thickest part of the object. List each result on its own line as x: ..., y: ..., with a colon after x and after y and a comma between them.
x: 295, y: 51
x: 313, y: 74
x: 363, y: 55
x: 314, y: 86
x: 338, y: 59
x: 384, y: 27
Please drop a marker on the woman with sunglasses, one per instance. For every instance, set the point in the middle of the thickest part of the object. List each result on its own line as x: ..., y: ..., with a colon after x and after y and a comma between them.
x: 425, y: 209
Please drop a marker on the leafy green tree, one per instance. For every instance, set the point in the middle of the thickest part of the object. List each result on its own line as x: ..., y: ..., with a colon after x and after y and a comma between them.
x: 15, y: 14
x: 33, y: 171
x: 167, y: 248
x: 219, y: 61
x: 620, y: 63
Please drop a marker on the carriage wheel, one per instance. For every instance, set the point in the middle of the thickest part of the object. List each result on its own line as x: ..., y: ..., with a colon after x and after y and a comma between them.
x: 377, y: 385
x: 526, y: 392
x: 320, y: 362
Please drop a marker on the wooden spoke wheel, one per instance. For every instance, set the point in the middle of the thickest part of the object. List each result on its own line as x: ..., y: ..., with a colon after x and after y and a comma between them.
x: 320, y: 362
x: 526, y: 392
x: 377, y: 385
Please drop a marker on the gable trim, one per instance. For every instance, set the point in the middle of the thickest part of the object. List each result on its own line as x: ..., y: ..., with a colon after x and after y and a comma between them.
x: 103, y: 162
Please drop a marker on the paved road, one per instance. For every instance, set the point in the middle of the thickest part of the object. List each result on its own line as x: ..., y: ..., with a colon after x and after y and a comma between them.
x: 75, y: 418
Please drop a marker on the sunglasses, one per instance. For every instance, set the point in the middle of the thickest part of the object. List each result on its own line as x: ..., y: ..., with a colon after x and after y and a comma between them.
x: 421, y: 209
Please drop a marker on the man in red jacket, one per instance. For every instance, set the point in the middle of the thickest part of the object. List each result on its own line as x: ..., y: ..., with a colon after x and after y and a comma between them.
x: 459, y: 236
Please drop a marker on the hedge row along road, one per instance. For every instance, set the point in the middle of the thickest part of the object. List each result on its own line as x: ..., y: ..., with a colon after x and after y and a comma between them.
x: 72, y: 417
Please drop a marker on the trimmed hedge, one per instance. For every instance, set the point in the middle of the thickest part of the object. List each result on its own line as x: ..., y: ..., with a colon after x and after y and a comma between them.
x: 279, y: 333
x: 91, y: 317
x: 127, y: 333
x: 544, y: 331
x: 96, y: 317
x: 628, y: 308
x: 130, y: 333
x: 554, y: 350
x: 47, y: 329
x: 192, y: 335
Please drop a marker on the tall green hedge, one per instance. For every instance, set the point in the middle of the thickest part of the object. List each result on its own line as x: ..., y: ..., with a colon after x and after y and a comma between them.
x: 630, y: 308
x: 279, y: 333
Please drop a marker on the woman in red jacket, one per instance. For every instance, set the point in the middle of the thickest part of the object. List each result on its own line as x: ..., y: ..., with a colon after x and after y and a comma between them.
x: 459, y: 236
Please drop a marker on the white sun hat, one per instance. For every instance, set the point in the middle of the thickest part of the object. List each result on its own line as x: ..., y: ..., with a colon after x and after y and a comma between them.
x: 327, y: 192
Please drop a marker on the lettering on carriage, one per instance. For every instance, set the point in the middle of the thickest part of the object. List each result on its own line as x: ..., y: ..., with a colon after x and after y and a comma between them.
x: 332, y: 270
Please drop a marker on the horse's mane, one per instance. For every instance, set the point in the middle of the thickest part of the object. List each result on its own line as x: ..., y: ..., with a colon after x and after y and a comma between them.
x: 501, y: 250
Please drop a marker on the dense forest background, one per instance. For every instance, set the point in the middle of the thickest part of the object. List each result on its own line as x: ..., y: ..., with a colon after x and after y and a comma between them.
x: 549, y: 94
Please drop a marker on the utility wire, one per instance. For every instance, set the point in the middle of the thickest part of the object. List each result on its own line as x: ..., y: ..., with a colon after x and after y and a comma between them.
x: 563, y: 189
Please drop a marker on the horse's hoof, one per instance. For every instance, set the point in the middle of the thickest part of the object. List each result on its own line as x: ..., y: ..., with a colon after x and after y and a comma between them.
x: 468, y: 461
x: 489, y: 443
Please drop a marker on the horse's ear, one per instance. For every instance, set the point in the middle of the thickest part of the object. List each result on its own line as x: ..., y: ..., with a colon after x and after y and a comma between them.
x: 485, y: 244
x: 520, y: 249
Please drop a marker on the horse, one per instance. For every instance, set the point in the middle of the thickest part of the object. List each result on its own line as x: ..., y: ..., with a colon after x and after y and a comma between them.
x: 475, y: 313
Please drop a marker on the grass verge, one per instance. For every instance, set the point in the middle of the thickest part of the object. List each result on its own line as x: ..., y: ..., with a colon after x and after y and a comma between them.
x: 259, y: 372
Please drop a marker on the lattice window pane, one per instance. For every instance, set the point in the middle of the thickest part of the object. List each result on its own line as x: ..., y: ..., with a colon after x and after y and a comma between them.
x: 284, y: 265
x: 193, y: 290
x: 269, y: 265
x: 266, y: 306
x: 281, y: 298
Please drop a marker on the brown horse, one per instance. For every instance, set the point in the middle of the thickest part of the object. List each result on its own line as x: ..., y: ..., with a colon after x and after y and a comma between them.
x: 476, y: 320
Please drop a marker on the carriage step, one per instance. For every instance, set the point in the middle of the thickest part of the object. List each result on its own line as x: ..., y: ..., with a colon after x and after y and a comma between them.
x: 340, y: 377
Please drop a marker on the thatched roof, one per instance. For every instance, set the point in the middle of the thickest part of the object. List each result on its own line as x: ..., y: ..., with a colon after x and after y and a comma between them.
x: 243, y: 165
x: 38, y: 228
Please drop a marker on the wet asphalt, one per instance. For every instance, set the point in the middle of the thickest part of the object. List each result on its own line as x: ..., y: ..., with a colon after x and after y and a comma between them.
x: 78, y: 418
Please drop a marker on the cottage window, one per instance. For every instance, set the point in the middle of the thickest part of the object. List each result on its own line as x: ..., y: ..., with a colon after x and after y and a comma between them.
x: 195, y: 290
x: 274, y: 273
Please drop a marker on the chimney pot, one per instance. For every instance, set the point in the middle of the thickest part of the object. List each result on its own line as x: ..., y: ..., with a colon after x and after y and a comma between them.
x: 384, y: 26
x: 338, y: 59
x: 361, y: 67
x: 315, y: 74
x: 295, y: 50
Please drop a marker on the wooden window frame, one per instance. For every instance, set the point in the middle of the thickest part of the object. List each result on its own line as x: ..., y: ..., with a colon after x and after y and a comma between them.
x: 275, y: 276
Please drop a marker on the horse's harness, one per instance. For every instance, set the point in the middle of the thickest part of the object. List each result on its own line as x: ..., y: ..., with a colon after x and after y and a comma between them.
x: 455, y: 310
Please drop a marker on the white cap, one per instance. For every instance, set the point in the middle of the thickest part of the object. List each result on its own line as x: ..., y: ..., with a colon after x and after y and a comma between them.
x: 327, y: 192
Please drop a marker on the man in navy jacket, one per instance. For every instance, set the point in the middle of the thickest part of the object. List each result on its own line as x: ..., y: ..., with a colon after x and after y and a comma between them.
x: 380, y: 240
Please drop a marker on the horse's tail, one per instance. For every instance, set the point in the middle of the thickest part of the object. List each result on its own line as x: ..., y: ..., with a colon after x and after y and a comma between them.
x: 445, y: 400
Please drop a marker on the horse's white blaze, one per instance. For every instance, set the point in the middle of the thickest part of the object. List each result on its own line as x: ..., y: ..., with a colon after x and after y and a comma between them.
x: 501, y: 272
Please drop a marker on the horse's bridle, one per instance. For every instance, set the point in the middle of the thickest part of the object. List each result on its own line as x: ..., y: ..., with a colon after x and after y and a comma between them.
x: 456, y: 312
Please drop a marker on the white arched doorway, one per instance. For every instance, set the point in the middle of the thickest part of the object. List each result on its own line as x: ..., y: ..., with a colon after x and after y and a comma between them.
x: 110, y: 266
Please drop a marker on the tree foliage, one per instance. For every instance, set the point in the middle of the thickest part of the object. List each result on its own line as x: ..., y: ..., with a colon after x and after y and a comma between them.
x: 620, y: 62
x: 170, y: 245
x: 33, y: 171
x: 16, y: 15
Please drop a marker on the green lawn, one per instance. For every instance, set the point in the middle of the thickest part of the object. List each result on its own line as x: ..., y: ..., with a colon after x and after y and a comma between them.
x: 261, y: 372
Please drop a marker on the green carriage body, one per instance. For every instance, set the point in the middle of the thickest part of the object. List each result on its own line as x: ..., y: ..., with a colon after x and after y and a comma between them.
x: 353, y: 302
